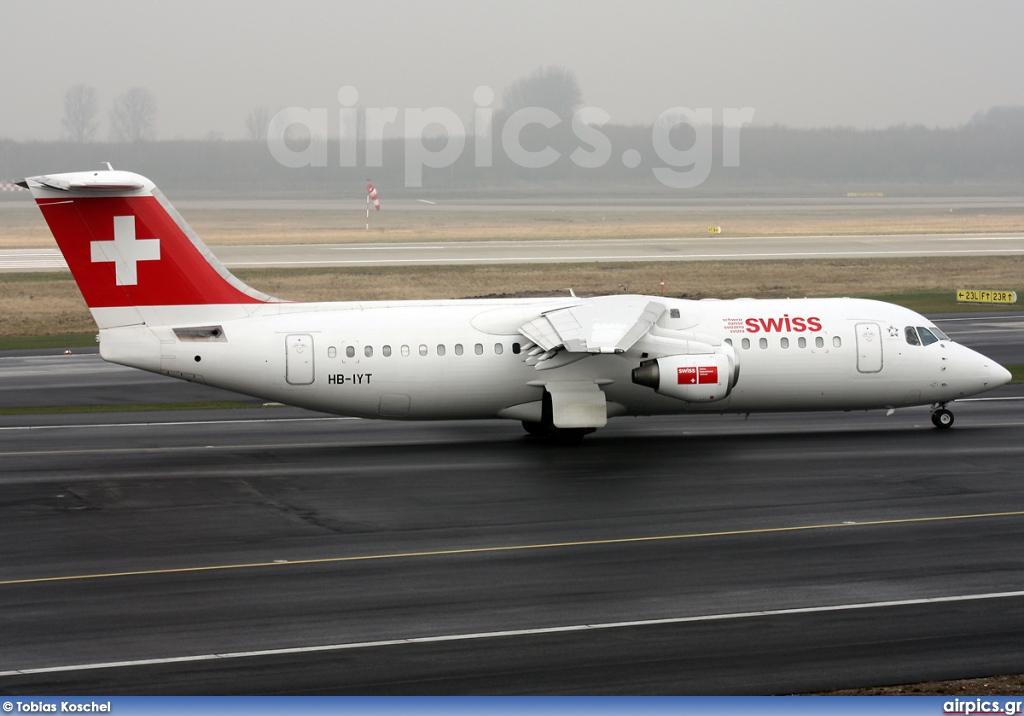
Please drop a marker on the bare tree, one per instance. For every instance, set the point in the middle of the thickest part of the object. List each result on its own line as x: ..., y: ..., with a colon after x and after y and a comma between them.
x: 133, y: 118
x: 1004, y: 117
x: 256, y: 123
x: 80, y: 110
x: 553, y: 87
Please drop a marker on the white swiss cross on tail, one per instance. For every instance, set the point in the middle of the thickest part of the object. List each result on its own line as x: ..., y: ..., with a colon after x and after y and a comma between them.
x: 126, y: 251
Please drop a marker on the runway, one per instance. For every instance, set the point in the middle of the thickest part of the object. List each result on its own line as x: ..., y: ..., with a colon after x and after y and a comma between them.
x: 272, y: 550
x: 579, y: 250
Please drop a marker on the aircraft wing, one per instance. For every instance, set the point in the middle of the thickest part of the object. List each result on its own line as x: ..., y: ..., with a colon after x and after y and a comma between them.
x: 608, y: 324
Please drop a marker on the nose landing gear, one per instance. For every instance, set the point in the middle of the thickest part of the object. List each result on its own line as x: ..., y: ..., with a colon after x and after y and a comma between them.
x: 941, y: 417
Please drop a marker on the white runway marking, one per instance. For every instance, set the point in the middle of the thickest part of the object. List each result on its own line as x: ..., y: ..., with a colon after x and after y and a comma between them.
x: 511, y: 633
x: 582, y: 258
x: 386, y: 248
x: 977, y: 317
x: 24, y: 259
x: 983, y: 400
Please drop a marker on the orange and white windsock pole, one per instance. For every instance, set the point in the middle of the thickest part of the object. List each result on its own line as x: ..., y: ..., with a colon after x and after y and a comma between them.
x: 371, y: 194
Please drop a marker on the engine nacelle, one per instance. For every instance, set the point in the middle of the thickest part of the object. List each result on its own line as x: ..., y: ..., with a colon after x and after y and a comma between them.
x: 693, y: 378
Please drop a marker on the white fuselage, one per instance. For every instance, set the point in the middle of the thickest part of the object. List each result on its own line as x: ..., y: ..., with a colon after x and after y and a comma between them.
x: 467, y: 359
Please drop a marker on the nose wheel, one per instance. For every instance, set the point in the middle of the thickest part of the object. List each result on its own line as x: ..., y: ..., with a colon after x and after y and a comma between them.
x: 942, y: 418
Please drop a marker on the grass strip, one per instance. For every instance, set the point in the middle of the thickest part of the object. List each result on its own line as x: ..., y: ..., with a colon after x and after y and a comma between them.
x: 1017, y: 371
x: 35, y: 304
x: 132, y: 408
x: 66, y: 340
x: 926, y: 302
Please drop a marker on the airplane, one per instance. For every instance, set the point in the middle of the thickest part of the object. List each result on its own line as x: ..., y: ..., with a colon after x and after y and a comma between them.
x: 562, y: 366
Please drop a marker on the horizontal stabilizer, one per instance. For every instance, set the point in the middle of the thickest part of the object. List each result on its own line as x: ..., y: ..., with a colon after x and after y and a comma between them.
x: 91, y: 181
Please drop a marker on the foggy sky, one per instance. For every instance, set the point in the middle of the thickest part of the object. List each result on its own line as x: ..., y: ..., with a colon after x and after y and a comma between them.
x: 801, y: 63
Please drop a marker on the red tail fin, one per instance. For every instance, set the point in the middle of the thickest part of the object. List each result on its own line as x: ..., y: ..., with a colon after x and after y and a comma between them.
x: 127, y: 246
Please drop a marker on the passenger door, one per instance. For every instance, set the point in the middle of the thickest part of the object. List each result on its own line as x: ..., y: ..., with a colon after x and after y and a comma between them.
x: 298, y: 359
x: 869, y: 348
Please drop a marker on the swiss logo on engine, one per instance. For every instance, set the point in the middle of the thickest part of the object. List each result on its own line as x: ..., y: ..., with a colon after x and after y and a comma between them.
x: 693, y: 375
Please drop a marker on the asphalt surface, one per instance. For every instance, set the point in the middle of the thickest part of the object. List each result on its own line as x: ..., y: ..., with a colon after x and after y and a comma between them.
x: 579, y: 250
x: 272, y: 550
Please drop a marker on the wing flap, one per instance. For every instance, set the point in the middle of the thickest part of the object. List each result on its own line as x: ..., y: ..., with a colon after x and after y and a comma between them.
x: 608, y: 324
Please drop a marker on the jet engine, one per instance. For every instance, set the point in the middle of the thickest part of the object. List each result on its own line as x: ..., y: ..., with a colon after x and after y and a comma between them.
x: 702, y: 378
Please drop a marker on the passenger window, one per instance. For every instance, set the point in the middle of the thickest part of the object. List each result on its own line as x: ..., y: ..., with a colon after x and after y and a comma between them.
x: 801, y: 342
x: 784, y: 342
x: 499, y: 349
x: 746, y: 343
x: 458, y: 349
x: 386, y: 350
x: 819, y: 342
x: 927, y: 337
x: 727, y: 341
x: 368, y: 351
x: 332, y: 352
x: 478, y: 349
x: 911, y: 335
x: 350, y: 351
x: 837, y: 341
x: 763, y: 343
x: 423, y: 350
x: 440, y: 349
x: 516, y: 348
x: 405, y: 350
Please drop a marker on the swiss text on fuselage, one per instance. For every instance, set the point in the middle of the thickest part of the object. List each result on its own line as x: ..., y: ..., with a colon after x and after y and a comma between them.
x: 785, y: 324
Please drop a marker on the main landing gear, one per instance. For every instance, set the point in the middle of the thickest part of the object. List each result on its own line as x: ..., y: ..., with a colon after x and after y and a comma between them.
x: 566, y: 436
x: 941, y: 417
x: 545, y: 427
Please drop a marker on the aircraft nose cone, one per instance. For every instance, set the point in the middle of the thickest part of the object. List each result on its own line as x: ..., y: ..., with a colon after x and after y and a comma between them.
x: 1000, y: 376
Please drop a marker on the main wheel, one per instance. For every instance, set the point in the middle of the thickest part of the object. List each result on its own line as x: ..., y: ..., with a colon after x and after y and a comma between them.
x: 942, y: 418
x: 569, y: 436
x: 535, y: 428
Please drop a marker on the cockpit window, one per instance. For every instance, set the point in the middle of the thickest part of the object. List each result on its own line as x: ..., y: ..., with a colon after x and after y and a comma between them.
x: 912, y: 338
x: 927, y: 337
x: 938, y: 334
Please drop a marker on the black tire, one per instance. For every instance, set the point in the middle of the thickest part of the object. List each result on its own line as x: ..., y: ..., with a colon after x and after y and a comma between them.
x: 569, y: 436
x: 942, y: 418
x: 536, y: 429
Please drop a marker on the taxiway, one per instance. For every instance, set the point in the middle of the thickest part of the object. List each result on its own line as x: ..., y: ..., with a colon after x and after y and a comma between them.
x: 272, y: 550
